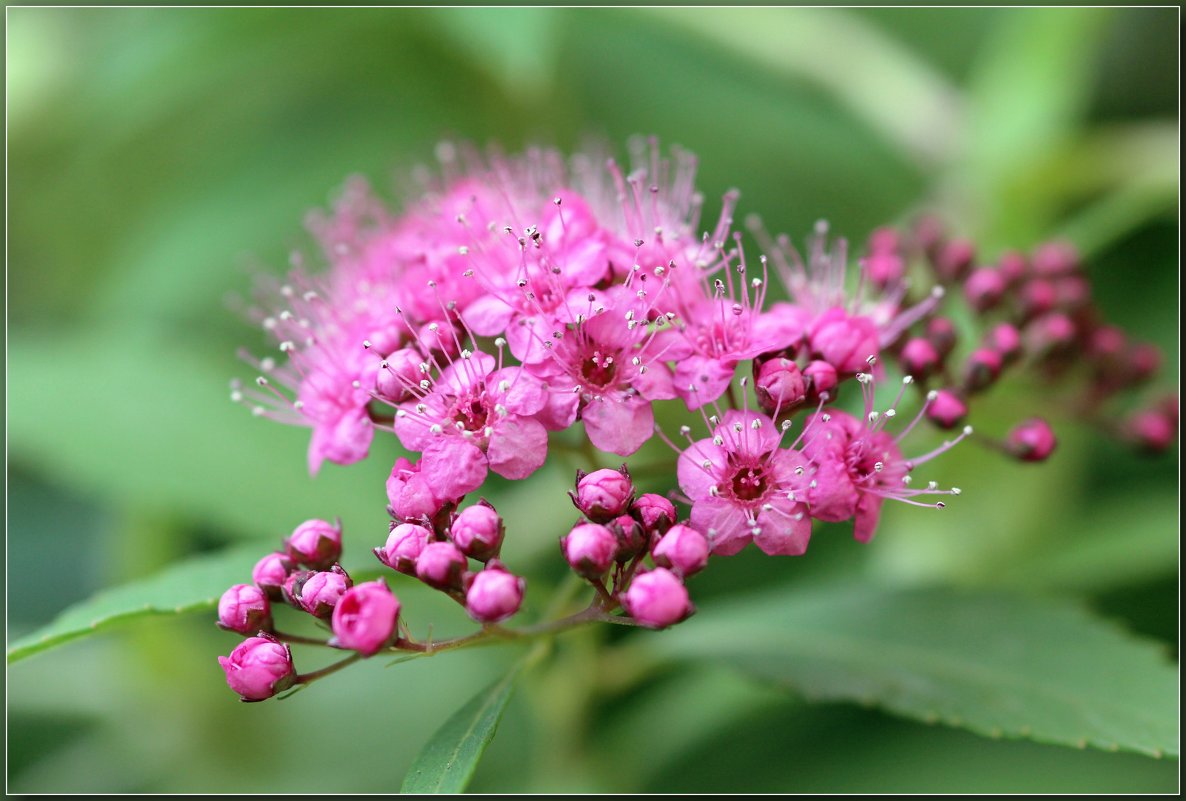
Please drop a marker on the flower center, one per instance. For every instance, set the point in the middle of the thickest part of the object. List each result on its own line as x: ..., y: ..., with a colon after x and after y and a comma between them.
x: 471, y: 412
x: 599, y: 371
x: 749, y: 483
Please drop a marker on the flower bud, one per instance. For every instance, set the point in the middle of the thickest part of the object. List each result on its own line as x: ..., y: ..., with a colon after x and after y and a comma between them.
x: 270, y: 573
x: 779, y: 384
x: 316, y: 544
x: 494, y: 594
x: 982, y: 369
x: 1153, y: 430
x: 1031, y: 441
x: 654, y: 512
x: 1049, y: 335
x: 657, y: 599
x: 941, y: 333
x: 1072, y: 292
x: 403, y: 547
x: 920, y: 359
x: 928, y: 233
x: 245, y: 609
x: 440, y: 565
x: 1005, y: 339
x: 946, y: 408
x: 823, y: 379
x: 953, y: 259
x: 884, y: 267
x: 1144, y: 360
x: 1107, y: 345
x: 478, y: 531
x: 365, y: 618
x: 291, y: 591
x: 410, y: 496
x: 843, y: 341
x: 1037, y: 296
x: 884, y: 240
x: 396, y: 374
x: 984, y: 288
x: 603, y: 494
x: 590, y: 549
x: 632, y: 539
x: 258, y: 668
x: 683, y: 549
x: 320, y: 592
x: 1055, y: 258
x: 1012, y: 267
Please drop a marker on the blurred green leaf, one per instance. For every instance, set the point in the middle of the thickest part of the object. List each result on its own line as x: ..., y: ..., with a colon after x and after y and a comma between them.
x: 190, y: 586
x: 996, y: 664
x: 451, y: 755
x: 158, y: 431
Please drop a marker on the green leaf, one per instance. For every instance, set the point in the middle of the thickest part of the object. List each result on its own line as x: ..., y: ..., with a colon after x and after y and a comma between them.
x: 190, y: 586
x: 996, y: 664
x: 449, y: 759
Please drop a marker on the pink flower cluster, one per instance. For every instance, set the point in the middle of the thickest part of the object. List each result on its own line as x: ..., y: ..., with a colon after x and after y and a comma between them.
x: 519, y: 296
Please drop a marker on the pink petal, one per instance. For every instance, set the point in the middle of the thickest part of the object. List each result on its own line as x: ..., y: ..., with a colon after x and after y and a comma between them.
x: 726, y: 526
x: 710, y: 377
x: 785, y: 529
x: 867, y: 516
x: 619, y: 427
x: 525, y: 394
x: 694, y: 479
x: 518, y: 447
x: 488, y: 316
x: 453, y: 466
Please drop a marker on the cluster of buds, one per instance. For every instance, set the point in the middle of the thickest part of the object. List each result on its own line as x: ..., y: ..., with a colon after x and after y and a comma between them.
x: 610, y: 546
x: 305, y: 575
x: 1037, y: 317
x: 438, y: 549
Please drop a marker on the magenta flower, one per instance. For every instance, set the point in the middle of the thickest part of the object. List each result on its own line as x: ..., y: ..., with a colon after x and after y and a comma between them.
x: 606, y: 369
x: 855, y: 466
x: 657, y: 599
x: 477, y: 416
x: 745, y: 487
x: 494, y: 594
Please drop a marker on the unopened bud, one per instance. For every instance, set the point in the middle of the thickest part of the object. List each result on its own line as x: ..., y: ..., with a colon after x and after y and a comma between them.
x: 478, y: 531
x: 1050, y: 335
x: 590, y: 549
x: 1055, y: 258
x: 1031, y: 441
x: 398, y: 374
x: 366, y: 618
x: 779, y: 384
x: 494, y: 594
x: 920, y: 358
x: 320, y: 592
x: 941, y: 333
x: 1013, y: 267
x: 655, y: 512
x: 953, y: 259
x: 403, y: 547
x: 632, y: 540
x: 603, y: 494
x: 947, y: 410
x: 258, y: 668
x: 270, y: 573
x: 683, y: 549
x: 1037, y: 296
x: 244, y: 609
x: 823, y: 378
x: 441, y: 565
x: 657, y: 599
x: 984, y: 288
x: 982, y: 369
x: 1153, y: 430
x: 1005, y: 339
x: 316, y: 544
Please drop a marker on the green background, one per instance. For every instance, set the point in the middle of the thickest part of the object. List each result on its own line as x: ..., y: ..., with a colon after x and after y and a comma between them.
x: 158, y: 157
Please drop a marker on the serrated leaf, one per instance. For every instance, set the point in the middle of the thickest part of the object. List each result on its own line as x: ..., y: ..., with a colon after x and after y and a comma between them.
x: 996, y: 664
x: 448, y: 760
x: 190, y: 586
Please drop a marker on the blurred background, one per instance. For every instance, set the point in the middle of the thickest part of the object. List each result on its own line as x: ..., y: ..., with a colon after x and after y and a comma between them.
x: 158, y: 157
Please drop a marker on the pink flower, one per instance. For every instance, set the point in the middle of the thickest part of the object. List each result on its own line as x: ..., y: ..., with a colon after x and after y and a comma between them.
x: 365, y: 618
x: 855, y: 466
x: 477, y: 416
x: 843, y: 326
x: 258, y: 668
x: 606, y: 369
x: 411, y: 496
x: 743, y: 486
